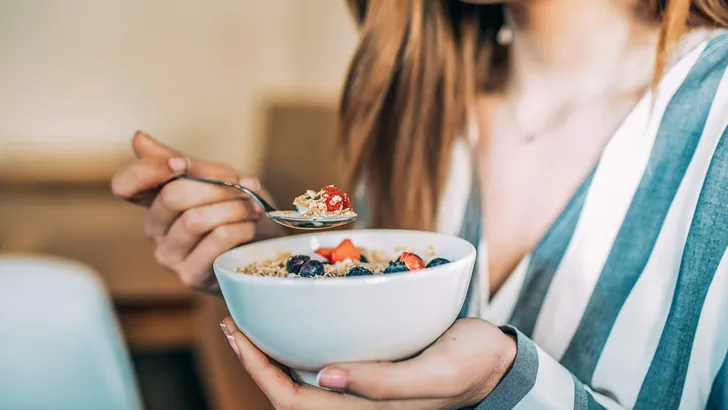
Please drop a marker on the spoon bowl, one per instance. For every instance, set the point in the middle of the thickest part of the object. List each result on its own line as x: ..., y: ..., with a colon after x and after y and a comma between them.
x: 290, y: 219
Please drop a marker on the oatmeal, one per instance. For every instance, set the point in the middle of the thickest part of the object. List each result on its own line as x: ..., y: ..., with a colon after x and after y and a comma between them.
x: 327, y: 202
x: 345, y: 260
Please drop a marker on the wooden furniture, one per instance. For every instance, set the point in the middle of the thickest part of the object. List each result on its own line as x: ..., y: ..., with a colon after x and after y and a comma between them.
x: 302, y: 151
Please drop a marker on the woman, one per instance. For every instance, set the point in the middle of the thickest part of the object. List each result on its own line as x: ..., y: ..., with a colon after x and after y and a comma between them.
x: 600, y: 175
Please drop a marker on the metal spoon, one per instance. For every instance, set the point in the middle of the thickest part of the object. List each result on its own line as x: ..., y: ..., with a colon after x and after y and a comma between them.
x: 290, y: 219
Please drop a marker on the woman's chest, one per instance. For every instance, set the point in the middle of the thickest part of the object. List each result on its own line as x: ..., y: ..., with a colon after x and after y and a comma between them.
x: 527, y: 181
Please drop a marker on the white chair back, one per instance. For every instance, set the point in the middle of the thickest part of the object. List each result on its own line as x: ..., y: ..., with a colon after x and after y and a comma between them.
x: 60, y: 344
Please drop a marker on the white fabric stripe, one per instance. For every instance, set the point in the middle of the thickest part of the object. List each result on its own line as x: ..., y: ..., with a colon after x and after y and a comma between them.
x: 554, y: 388
x: 624, y: 159
x: 454, y: 198
x: 501, y: 307
x: 711, y: 342
x: 640, y: 322
x: 481, y: 283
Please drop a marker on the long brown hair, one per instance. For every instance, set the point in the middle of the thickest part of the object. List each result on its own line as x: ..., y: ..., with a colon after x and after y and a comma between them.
x: 412, y: 83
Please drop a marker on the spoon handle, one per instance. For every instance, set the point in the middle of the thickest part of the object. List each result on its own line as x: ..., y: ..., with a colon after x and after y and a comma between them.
x: 256, y: 197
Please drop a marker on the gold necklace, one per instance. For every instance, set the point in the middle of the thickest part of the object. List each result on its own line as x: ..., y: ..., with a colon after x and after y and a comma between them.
x: 529, y: 137
x: 567, y: 109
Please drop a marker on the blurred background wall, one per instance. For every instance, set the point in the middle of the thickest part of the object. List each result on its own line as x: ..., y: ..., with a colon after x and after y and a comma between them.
x: 224, y: 80
x: 77, y: 77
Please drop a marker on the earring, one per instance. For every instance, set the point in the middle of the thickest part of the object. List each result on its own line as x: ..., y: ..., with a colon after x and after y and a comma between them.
x: 504, y: 36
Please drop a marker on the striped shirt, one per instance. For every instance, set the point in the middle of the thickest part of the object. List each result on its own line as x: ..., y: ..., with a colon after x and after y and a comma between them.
x: 623, y: 304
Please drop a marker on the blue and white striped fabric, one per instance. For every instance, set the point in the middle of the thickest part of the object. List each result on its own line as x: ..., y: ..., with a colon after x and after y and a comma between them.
x: 623, y: 304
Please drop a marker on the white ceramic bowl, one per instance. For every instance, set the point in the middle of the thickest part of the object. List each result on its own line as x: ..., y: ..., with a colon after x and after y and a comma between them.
x: 307, y: 324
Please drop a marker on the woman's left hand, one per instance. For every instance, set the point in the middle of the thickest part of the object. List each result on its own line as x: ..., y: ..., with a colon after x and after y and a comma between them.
x: 458, y: 370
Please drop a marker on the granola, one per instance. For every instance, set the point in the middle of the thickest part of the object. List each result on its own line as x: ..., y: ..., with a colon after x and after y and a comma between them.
x: 345, y: 260
x: 327, y: 202
x: 277, y: 267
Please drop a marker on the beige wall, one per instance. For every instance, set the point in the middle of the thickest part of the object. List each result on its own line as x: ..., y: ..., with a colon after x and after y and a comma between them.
x: 79, y: 76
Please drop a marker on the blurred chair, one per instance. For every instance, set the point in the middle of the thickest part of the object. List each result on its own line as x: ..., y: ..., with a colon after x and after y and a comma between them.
x: 60, y: 346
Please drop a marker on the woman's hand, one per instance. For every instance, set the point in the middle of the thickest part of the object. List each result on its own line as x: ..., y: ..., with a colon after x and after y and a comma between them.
x: 460, y: 369
x: 189, y: 222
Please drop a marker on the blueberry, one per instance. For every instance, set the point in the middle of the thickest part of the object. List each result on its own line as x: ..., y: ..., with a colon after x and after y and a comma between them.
x: 293, y: 265
x: 437, y: 262
x: 396, y: 267
x: 311, y: 268
x: 359, y: 271
x: 363, y: 259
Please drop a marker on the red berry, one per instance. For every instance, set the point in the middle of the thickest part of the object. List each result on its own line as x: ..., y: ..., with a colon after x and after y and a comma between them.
x: 335, y: 199
x: 412, y: 261
x: 345, y: 250
x: 325, y: 252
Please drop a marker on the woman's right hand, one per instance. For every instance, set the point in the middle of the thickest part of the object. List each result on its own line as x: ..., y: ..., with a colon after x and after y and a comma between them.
x: 190, y: 223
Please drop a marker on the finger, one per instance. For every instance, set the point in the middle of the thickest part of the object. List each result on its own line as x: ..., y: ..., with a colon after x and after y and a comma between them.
x: 187, y: 230
x: 427, y: 376
x: 182, y: 194
x: 253, y: 184
x: 306, y: 397
x: 283, y: 368
x: 228, y: 327
x: 456, y: 367
x: 145, y: 146
x: 139, y: 181
x: 179, y: 196
x: 194, y: 270
x: 278, y: 387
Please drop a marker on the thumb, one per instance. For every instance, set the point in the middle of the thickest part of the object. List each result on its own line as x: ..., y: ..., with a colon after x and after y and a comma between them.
x: 146, y: 146
x: 422, y: 377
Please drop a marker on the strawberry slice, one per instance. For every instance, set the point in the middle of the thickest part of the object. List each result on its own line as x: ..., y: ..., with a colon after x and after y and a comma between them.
x: 412, y: 261
x: 335, y: 199
x: 345, y: 250
x: 325, y: 252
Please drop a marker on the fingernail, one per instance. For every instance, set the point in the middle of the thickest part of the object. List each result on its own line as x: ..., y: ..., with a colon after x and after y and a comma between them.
x: 332, y: 378
x: 178, y: 164
x: 224, y: 329
x: 233, y: 345
x: 251, y: 183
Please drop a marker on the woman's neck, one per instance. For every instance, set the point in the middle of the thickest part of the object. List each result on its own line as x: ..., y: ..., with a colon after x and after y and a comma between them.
x: 587, y: 46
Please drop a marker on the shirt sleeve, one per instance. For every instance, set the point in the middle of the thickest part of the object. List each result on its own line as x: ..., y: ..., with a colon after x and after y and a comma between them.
x: 537, y: 381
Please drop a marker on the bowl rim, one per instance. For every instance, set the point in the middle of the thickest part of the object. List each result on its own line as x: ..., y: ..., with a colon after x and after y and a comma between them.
x: 346, y: 281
